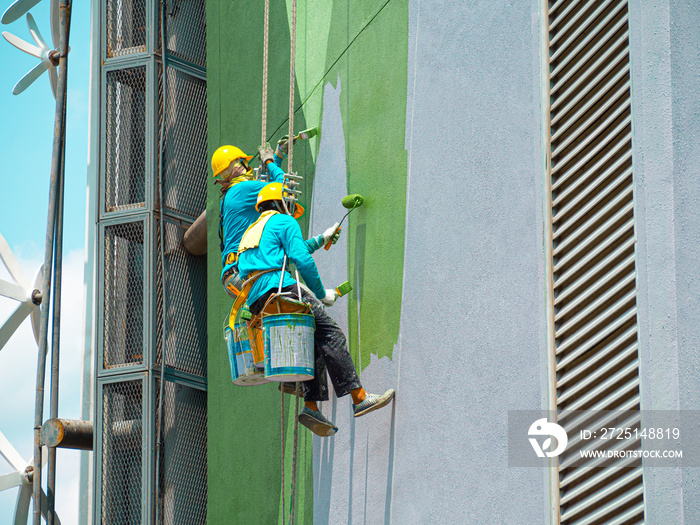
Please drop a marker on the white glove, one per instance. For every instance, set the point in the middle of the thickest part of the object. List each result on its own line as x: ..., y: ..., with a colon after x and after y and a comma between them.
x: 330, y: 233
x: 330, y: 297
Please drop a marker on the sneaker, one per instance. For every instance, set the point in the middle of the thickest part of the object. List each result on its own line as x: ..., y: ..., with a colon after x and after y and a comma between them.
x: 373, y: 402
x: 316, y: 423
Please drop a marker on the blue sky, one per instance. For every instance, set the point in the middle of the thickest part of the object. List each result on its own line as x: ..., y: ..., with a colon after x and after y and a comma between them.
x: 26, y: 135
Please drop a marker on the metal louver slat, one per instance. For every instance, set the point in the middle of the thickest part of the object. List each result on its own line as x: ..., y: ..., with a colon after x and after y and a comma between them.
x: 595, y: 97
x: 586, y: 482
x: 581, y: 87
x: 591, y: 254
x: 598, y: 479
x: 592, y: 118
x: 590, y: 37
x: 562, y: 15
x: 576, y: 19
x: 610, y: 506
x: 563, y: 278
x: 557, y: 5
x: 627, y: 517
x: 587, y: 387
x: 596, y: 324
x: 582, y: 30
x: 587, y: 241
x: 582, y: 181
x: 586, y: 278
x: 601, y: 336
x: 617, y: 272
x: 598, y: 303
x: 577, y: 419
x: 583, y: 142
x: 601, y: 365
x: 600, y: 60
x: 598, y: 147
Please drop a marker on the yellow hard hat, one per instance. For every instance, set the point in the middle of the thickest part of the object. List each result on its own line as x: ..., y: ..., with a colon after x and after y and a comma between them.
x: 274, y: 192
x: 224, y: 156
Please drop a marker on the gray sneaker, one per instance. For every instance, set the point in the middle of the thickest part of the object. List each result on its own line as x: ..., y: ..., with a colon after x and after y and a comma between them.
x: 373, y: 402
x: 316, y: 423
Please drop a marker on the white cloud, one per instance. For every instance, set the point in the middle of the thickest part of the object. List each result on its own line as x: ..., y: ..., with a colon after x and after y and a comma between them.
x: 18, y: 364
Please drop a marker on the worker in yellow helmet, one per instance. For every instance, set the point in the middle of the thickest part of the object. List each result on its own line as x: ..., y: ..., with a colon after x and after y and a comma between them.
x: 262, y: 252
x: 239, y: 190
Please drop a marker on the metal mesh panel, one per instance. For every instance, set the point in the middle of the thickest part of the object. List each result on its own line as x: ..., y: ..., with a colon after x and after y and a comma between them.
x: 125, y: 152
x: 185, y: 30
x: 593, y: 267
x: 186, y: 339
x: 184, y: 460
x: 123, y: 289
x: 122, y: 447
x: 125, y: 27
x: 185, y: 160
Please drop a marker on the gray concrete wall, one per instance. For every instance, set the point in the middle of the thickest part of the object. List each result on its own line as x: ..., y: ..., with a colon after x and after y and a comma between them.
x: 666, y: 90
x: 472, y: 340
x: 685, y: 82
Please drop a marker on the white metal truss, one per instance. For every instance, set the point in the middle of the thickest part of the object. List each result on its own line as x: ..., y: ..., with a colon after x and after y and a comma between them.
x: 591, y: 246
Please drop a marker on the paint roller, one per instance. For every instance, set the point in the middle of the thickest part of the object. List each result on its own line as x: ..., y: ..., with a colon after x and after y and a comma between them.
x: 307, y: 134
x: 343, y: 289
x: 350, y: 202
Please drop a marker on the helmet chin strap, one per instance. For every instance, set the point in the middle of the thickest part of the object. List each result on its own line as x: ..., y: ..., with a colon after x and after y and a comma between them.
x: 279, y: 207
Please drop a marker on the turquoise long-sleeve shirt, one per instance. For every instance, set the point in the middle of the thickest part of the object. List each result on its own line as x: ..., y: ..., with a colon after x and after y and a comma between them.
x: 281, y: 235
x: 238, y: 209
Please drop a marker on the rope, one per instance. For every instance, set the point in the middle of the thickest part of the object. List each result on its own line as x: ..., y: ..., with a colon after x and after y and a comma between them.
x: 294, y: 456
x: 282, y: 416
x: 266, y: 31
x: 330, y: 68
x: 291, y: 84
x: 290, y: 154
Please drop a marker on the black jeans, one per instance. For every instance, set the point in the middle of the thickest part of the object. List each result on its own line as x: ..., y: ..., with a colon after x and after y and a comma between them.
x: 330, y: 350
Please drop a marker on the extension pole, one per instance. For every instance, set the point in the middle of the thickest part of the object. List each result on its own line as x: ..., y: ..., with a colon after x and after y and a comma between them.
x: 55, y: 210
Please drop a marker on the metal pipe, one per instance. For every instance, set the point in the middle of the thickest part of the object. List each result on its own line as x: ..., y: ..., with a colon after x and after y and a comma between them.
x: 195, y: 238
x: 57, y: 179
x: 56, y: 337
x: 164, y: 295
x: 67, y: 433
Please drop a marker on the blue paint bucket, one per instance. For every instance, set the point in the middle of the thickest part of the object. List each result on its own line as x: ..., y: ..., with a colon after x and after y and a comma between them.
x: 289, y: 347
x: 240, y: 355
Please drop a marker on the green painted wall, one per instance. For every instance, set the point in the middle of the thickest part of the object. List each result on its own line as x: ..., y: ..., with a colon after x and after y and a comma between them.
x: 366, y: 47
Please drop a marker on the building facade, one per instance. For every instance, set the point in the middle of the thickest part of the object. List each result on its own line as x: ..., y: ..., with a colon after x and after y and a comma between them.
x: 528, y: 242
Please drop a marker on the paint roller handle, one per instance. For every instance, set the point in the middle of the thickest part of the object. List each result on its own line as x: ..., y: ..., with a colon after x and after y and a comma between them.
x: 283, y: 143
x: 333, y: 239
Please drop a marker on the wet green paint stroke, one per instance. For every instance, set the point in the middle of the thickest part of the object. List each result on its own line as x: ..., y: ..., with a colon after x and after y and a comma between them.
x: 373, y: 74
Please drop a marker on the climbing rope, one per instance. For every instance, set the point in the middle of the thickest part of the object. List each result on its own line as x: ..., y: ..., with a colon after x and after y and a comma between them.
x: 294, y: 455
x: 290, y: 151
x: 290, y: 154
x: 266, y: 31
x: 293, y: 37
x: 283, y: 447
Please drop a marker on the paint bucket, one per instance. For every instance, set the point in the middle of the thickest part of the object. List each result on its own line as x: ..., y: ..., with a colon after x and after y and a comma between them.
x: 289, y: 347
x: 240, y: 355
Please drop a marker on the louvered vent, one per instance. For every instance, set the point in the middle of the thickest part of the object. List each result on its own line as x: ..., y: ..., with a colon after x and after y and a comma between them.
x: 592, y: 246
